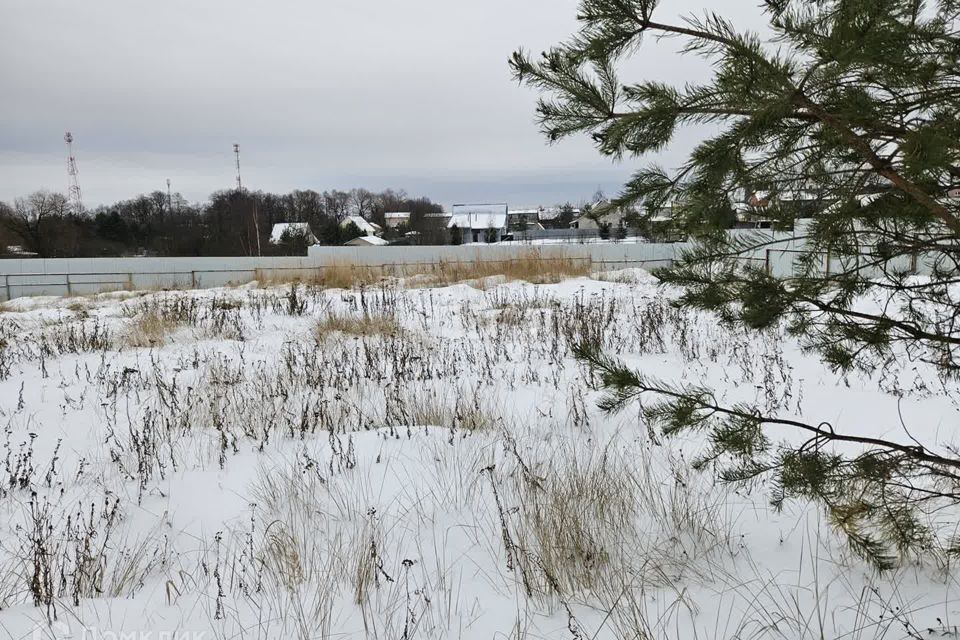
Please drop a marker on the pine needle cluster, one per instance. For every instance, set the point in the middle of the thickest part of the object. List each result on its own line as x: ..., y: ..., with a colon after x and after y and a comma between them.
x: 845, y: 115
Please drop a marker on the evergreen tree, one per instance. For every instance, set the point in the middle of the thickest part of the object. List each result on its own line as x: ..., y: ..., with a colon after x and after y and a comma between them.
x: 854, y: 104
x: 518, y: 224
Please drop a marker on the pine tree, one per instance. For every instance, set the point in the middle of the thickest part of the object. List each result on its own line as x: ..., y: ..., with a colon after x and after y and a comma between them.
x: 854, y: 104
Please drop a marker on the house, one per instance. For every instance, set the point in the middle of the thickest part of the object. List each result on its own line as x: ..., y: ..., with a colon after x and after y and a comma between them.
x: 394, y: 219
x: 661, y: 224
x: 287, y: 231
x: 757, y: 209
x: 366, y: 241
x: 549, y: 214
x: 558, y: 217
x: 750, y: 215
x: 601, y: 213
x: 366, y: 227
x: 478, y: 223
x: 523, y: 219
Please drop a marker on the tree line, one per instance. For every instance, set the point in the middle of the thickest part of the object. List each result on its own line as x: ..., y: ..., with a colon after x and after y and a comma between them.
x: 229, y: 223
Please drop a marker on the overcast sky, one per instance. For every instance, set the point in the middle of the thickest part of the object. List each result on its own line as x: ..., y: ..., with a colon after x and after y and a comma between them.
x: 320, y: 94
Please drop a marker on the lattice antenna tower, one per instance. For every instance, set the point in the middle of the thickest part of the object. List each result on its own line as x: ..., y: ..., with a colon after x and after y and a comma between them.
x: 73, y: 193
x: 236, y: 152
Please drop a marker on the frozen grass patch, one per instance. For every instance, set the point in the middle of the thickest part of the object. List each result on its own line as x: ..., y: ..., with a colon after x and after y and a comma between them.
x: 531, y: 266
x: 150, y: 329
x: 358, y: 326
x: 455, y: 409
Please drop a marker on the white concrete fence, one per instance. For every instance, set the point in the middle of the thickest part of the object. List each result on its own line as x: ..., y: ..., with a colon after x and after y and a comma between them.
x: 82, y: 276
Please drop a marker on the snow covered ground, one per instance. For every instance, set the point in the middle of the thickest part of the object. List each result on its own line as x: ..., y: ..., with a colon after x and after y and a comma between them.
x: 395, y: 462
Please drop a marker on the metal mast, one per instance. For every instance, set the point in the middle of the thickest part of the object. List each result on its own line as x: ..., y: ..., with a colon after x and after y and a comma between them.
x: 169, y: 199
x: 256, y: 220
x: 73, y: 192
x: 236, y: 152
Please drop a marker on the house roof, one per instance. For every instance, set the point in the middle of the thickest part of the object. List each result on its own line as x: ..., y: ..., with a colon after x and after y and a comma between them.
x: 606, y: 213
x: 364, y: 225
x: 604, y: 207
x: 553, y: 213
x: 293, y: 228
x: 479, y: 216
x: 367, y: 241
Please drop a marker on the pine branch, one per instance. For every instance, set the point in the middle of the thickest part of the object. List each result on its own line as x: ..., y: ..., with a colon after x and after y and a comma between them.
x: 880, y: 166
x: 629, y: 385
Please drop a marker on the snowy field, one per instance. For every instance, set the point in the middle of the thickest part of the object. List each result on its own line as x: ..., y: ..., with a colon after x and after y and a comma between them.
x: 295, y: 462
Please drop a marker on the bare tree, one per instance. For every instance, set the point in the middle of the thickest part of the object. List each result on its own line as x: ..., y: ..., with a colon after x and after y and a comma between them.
x: 35, y: 219
x: 303, y: 205
x: 336, y: 203
x: 361, y: 202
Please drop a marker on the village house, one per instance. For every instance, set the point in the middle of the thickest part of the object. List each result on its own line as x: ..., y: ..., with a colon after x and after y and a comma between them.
x: 368, y: 228
x: 292, y: 231
x: 478, y: 223
x: 755, y: 209
x: 601, y: 213
x: 366, y: 241
x: 523, y: 219
x: 394, y: 219
x: 558, y: 217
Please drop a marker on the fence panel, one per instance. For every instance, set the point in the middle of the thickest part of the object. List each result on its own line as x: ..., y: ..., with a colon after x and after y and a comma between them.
x: 81, y: 276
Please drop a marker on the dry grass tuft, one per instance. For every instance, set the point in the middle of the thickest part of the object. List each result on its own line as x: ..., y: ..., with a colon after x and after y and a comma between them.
x: 532, y: 267
x: 367, y: 562
x: 346, y: 276
x: 150, y: 329
x: 281, y: 556
x: 465, y: 411
x: 579, y: 521
x: 79, y: 305
x: 333, y: 276
x: 368, y: 324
